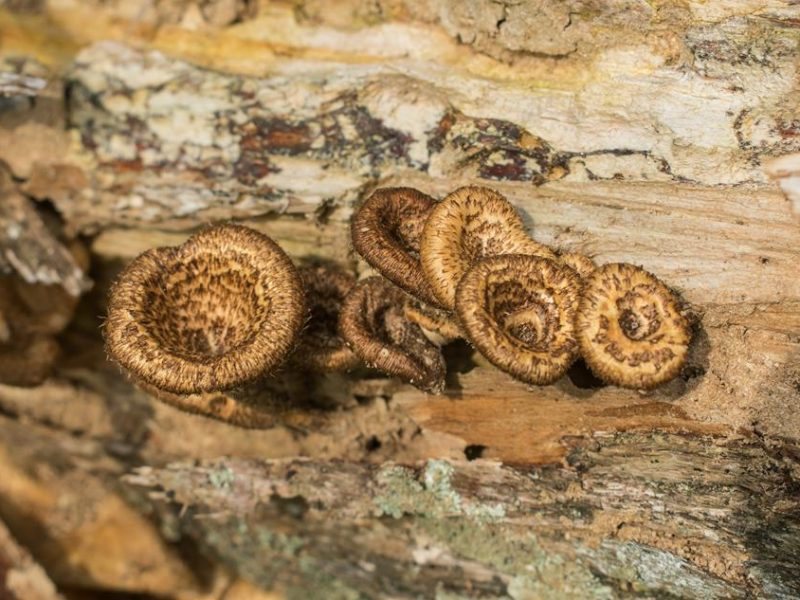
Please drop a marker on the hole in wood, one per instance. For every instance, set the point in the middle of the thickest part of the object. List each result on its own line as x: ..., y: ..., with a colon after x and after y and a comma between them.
x: 474, y: 451
x: 581, y: 377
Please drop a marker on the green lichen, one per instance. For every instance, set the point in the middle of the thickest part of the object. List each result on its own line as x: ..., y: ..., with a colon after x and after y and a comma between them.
x: 432, y: 495
x: 534, y: 572
x: 482, y: 536
x: 222, y: 478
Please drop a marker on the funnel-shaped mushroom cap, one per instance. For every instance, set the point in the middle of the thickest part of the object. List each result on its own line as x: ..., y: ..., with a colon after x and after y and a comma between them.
x: 374, y: 324
x: 386, y: 231
x: 321, y: 348
x: 631, y: 330
x: 519, y: 312
x: 219, y: 311
x: 469, y: 224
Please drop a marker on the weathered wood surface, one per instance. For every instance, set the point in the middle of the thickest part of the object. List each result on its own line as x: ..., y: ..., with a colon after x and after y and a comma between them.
x: 627, y: 130
x: 631, y: 515
x: 21, y: 577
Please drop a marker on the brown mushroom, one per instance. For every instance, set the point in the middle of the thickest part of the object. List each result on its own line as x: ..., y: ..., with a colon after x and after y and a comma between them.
x: 220, y: 311
x: 259, y: 405
x: 374, y: 324
x: 469, y: 224
x: 582, y: 264
x: 321, y: 348
x: 519, y: 312
x: 386, y: 231
x: 631, y: 328
x: 439, y: 326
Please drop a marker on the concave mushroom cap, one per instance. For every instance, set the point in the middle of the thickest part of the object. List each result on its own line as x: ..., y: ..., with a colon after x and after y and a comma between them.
x: 519, y: 312
x: 469, y: 224
x: 321, y: 348
x: 386, y: 231
x: 631, y: 330
x: 375, y: 326
x: 221, y: 310
x: 440, y: 326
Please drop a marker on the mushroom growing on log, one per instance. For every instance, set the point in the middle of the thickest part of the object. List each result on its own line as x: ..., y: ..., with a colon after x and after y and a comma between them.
x: 217, y: 314
x: 469, y: 224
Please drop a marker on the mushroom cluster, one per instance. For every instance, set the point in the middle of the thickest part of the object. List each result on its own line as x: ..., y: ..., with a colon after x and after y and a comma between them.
x: 208, y: 326
x: 468, y: 268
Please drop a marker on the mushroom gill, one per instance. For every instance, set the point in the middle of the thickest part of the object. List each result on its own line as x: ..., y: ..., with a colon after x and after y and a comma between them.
x: 386, y: 232
x: 321, y: 348
x: 519, y: 312
x: 374, y: 324
x: 469, y: 224
x: 631, y: 330
x: 220, y: 311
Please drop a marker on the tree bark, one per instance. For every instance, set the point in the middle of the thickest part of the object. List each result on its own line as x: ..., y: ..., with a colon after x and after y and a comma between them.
x: 625, y: 130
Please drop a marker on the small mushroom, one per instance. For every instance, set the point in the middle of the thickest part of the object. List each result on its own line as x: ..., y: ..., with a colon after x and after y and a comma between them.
x: 386, y: 231
x: 321, y: 348
x: 469, y: 224
x: 519, y: 312
x: 582, y: 264
x: 631, y: 329
x: 375, y: 326
x: 439, y: 326
x: 220, y: 311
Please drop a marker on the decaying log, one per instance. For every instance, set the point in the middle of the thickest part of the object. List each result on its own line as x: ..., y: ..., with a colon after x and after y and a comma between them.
x: 20, y: 576
x: 625, y: 130
x: 631, y: 515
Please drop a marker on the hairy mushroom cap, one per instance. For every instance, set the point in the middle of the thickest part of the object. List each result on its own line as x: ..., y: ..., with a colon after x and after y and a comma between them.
x: 440, y: 326
x: 375, y: 326
x: 221, y: 310
x: 631, y: 330
x: 469, y: 224
x: 519, y: 311
x: 386, y: 231
x: 321, y: 348
x: 582, y: 264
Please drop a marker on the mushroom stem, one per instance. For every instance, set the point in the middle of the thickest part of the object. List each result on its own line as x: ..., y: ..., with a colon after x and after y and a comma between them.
x: 439, y: 326
x: 258, y: 405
